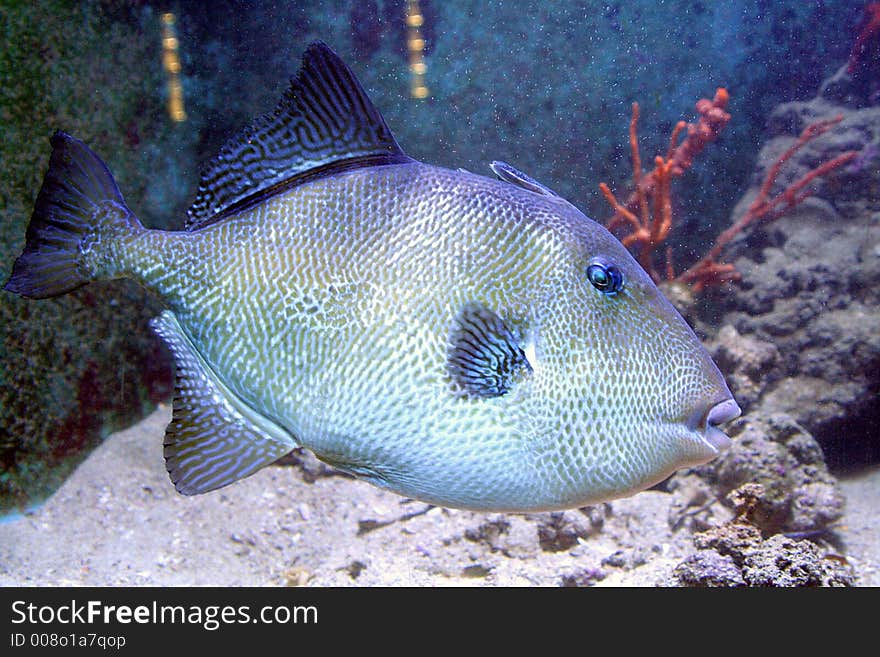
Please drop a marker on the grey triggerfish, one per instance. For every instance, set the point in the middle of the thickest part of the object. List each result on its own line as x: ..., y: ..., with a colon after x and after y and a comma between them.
x: 466, y: 341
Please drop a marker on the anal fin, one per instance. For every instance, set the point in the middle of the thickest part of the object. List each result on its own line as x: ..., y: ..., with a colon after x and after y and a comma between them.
x: 214, y: 438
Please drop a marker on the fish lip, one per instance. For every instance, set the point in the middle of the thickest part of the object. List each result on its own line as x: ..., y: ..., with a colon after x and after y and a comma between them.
x: 705, y: 420
x: 724, y: 411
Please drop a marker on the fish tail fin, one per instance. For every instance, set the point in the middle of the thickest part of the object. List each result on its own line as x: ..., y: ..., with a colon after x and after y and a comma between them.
x: 78, y: 208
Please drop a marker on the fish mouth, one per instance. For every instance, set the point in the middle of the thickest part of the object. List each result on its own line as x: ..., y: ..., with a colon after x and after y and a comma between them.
x: 705, y: 422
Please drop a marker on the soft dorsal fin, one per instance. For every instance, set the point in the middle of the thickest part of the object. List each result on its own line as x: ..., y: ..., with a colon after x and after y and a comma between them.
x: 324, y: 123
x: 516, y: 177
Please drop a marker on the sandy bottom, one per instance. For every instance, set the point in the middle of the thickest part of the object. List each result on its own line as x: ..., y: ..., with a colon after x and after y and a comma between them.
x: 118, y: 521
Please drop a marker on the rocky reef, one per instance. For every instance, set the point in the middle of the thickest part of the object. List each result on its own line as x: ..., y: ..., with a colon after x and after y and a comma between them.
x: 799, y: 344
x: 808, y: 307
x: 798, y: 492
x: 737, y: 554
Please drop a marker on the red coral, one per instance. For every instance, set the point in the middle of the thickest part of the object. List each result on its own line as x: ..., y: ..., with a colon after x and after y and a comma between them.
x: 708, y: 271
x: 649, y: 232
x: 869, y: 33
x: 646, y: 217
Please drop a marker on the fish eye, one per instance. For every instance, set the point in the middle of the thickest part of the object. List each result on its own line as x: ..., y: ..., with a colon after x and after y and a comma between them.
x: 606, y: 278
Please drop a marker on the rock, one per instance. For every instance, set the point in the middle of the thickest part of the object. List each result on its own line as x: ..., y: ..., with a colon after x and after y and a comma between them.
x: 511, y: 535
x: 583, y: 577
x: 709, y: 568
x: 355, y: 568
x: 736, y: 554
x: 521, y: 539
x: 773, y: 450
x: 776, y: 452
x: 296, y: 576
x: 735, y: 540
x: 854, y: 89
x: 748, y: 362
x: 815, y: 504
x: 476, y: 570
x: 811, y: 279
x: 627, y: 559
x: 779, y: 561
x: 814, y: 403
x: 490, y: 531
x: 782, y: 561
x: 561, y: 530
x: 696, y: 505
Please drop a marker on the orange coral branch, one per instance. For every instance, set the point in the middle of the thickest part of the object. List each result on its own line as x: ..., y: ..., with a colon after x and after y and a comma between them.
x: 713, y: 118
x: 647, y: 213
x: 620, y: 212
x: 662, y: 223
x: 708, y: 271
x: 637, y: 165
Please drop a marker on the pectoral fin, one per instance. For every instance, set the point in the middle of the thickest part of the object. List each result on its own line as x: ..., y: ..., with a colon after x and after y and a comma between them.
x: 485, y: 358
x: 214, y: 437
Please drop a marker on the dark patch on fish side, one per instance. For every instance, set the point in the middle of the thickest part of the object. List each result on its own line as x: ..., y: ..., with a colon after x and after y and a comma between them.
x: 485, y: 358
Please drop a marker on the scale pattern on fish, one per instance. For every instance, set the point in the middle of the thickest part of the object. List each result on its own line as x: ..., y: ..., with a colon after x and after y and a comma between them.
x: 468, y: 341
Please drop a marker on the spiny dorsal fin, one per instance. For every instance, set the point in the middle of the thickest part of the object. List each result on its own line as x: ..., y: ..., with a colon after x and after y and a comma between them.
x: 324, y: 123
x: 516, y: 177
x: 213, y: 438
x: 485, y: 358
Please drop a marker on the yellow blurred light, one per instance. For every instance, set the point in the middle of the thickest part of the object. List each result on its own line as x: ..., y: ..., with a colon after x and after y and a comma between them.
x: 416, y: 46
x: 171, y: 64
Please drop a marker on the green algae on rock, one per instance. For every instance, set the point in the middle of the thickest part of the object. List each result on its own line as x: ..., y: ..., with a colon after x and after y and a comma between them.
x: 73, y: 369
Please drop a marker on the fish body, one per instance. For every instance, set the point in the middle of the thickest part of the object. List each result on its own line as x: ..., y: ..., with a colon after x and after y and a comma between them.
x: 462, y: 340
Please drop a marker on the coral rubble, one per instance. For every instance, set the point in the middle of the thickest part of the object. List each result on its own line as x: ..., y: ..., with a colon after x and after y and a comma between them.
x: 736, y: 554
